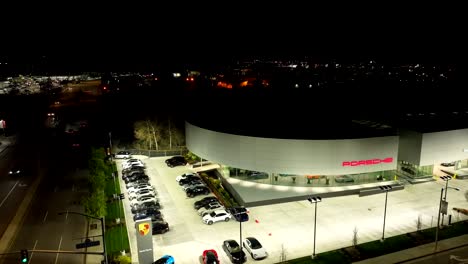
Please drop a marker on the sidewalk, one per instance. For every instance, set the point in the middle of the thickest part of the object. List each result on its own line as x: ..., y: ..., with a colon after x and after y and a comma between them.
x: 416, y: 252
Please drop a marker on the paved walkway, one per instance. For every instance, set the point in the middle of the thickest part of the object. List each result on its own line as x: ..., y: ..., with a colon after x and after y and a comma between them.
x: 417, y: 252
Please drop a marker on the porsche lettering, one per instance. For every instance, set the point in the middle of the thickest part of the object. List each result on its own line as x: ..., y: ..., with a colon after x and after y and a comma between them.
x: 366, y: 162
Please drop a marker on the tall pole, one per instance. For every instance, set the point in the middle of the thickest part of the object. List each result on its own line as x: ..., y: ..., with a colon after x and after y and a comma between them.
x: 438, y: 219
x: 445, y: 199
x: 315, y: 228
x: 103, y: 228
x: 240, y: 236
x: 315, y: 200
x: 110, y: 143
x: 385, y: 216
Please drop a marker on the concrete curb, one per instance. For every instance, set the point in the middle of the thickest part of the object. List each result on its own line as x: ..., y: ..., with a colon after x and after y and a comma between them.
x: 17, y: 221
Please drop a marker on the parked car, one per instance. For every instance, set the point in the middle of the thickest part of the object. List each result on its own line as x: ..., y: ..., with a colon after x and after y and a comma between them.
x: 255, y: 175
x: 139, y: 208
x: 189, y: 180
x: 185, y: 175
x: 142, y: 199
x: 448, y: 164
x: 176, y: 161
x: 197, y: 190
x: 343, y: 178
x: 239, y: 213
x: 155, y: 215
x: 210, y: 256
x: 216, y: 216
x: 166, y: 259
x: 256, y: 250
x: 233, y: 251
x: 141, y: 193
x: 200, y: 203
x: 160, y: 227
x: 123, y: 155
x: 209, y: 208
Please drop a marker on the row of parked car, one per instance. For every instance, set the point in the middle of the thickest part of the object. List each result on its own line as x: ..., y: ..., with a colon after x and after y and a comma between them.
x: 142, y: 195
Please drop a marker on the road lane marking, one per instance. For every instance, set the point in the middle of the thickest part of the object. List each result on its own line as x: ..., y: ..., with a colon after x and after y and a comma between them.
x: 45, y: 216
x: 6, y: 197
x: 32, y: 253
x: 60, y: 244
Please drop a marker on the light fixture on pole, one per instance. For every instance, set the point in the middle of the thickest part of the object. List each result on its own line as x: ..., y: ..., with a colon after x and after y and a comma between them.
x: 314, y: 200
x: 102, y: 228
x: 385, y: 188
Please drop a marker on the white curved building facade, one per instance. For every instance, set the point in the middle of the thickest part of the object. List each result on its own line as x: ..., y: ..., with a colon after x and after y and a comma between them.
x: 292, y: 156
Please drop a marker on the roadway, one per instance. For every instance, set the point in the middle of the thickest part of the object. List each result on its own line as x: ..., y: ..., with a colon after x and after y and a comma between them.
x: 63, y: 185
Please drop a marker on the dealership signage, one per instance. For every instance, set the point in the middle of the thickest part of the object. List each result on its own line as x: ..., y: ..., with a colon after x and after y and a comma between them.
x: 367, y: 162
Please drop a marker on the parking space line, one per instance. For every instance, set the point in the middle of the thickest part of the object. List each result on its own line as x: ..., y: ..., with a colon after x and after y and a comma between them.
x: 32, y: 253
x: 60, y: 244
x: 45, y: 216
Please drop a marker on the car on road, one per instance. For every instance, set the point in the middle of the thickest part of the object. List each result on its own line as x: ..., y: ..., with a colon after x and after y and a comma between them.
x: 15, y: 171
x: 123, y: 155
x: 255, y: 248
x: 216, y: 216
x: 233, y: 251
x: 210, y: 256
x: 166, y: 259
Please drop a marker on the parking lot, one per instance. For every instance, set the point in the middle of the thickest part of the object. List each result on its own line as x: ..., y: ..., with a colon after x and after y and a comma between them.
x: 287, y: 228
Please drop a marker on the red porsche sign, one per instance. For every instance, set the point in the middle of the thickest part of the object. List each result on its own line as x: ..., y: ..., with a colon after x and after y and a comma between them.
x: 366, y: 162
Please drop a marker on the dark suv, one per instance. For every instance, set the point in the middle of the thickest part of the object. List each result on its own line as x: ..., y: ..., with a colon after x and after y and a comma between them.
x: 176, y: 161
x: 197, y: 190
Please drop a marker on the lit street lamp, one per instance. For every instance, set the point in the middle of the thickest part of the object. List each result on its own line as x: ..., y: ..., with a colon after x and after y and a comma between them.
x: 385, y: 188
x: 102, y: 228
x: 314, y: 200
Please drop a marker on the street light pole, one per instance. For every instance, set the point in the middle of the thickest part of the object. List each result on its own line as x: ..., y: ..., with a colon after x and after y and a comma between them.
x: 385, y: 188
x: 438, y: 219
x: 102, y: 228
x: 446, y: 179
x: 314, y: 200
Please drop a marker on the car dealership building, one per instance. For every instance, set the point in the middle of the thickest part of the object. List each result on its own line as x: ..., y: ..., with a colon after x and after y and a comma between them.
x: 286, y: 169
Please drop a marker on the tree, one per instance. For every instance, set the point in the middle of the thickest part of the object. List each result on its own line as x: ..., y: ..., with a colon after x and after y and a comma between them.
x: 142, y: 134
x: 95, y: 204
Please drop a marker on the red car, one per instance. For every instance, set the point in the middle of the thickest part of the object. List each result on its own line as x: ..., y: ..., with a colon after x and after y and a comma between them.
x: 210, y: 257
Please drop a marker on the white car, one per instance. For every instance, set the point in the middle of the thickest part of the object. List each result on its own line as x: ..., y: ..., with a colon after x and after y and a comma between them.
x: 143, y: 199
x: 123, y: 155
x: 141, y: 193
x: 256, y: 250
x: 209, y: 208
x: 139, y: 187
x: 131, y: 164
x: 184, y: 176
x: 216, y: 216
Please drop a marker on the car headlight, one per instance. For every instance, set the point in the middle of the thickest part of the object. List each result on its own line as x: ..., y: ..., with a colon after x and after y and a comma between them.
x: 11, y: 172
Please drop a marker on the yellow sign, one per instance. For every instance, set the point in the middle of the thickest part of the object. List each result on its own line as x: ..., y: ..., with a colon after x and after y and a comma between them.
x: 143, y: 229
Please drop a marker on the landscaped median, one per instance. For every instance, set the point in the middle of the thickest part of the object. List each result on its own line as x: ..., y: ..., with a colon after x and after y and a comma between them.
x: 104, y: 201
x: 116, y: 229
x: 390, y: 245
